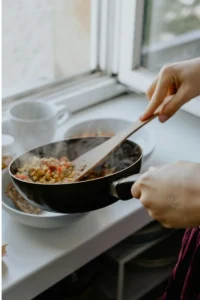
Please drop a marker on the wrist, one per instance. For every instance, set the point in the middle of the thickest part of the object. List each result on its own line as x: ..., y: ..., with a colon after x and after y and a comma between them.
x: 195, y: 196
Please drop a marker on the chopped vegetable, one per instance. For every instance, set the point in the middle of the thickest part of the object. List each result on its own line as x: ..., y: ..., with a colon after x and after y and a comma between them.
x: 52, y: 170
x: 46, y: 170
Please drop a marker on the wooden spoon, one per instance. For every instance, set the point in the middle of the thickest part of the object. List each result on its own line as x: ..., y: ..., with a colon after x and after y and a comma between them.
x: 88, y: 161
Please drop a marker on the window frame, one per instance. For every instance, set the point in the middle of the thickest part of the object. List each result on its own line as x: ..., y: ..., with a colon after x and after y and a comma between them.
x: 130, y: 72
x: 109, y: 36
x: 94, y: 33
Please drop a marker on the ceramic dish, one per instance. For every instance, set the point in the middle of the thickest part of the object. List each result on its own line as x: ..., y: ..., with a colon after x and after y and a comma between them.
x: 144, y: 137
x: 43, y: 220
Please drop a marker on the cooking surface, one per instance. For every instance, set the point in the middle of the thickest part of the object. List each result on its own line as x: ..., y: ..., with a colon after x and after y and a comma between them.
x: 33, y: 255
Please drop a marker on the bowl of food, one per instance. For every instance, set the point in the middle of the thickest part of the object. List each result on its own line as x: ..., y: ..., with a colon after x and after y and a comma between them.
x: 20, y: 210
x: 108, y: 127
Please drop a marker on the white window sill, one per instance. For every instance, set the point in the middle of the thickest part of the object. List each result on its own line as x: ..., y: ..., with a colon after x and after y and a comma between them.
x: 77, y: 95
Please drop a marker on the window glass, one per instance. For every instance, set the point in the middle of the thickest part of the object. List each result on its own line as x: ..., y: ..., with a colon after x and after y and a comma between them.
x: 171, y: 32
x: 43, y: 41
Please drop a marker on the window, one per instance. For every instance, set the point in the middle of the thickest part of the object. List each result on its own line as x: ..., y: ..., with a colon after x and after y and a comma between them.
x: 44, y: 41
x: 154, y: 33
x: 56, y: 50
x: 47, y: 43
x: 179, y: 25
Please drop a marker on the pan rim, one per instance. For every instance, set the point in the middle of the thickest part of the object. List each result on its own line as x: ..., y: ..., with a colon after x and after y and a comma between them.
x: 76, y: 182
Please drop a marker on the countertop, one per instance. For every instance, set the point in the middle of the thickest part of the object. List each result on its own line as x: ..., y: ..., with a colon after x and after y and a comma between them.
x: 37, y: 259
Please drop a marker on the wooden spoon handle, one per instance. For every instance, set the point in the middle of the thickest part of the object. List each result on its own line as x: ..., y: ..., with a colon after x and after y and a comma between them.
x: 92, y: 158
x: 124, y: 134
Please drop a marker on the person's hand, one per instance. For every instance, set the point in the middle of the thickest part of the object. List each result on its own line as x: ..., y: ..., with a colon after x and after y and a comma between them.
x: 182, y: 80
x: 171, y: 194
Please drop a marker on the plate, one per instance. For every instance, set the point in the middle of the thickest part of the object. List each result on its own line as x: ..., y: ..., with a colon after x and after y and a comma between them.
x: 44, y: 220
x: 144, y: 137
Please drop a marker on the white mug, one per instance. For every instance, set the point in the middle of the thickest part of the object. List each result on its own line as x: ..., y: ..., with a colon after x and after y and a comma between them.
x: 34, y: 123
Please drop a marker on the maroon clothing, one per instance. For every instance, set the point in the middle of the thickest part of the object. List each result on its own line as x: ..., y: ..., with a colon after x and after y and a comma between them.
x: 184, y: 283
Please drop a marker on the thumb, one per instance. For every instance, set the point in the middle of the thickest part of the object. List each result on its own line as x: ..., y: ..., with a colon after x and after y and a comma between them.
x: 174, y: 104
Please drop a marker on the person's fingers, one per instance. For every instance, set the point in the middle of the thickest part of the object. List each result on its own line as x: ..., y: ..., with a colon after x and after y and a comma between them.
x: 151, y: 89
x: 157, y: 98
x: 172, y: 89
x: 146, y: 200
x: 164, y: 82
x: 150, y: 213
x: 136, y: 191
x: 179, y: 99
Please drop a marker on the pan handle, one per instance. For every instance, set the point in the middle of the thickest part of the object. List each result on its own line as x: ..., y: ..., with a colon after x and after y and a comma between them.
x: 122, y: 188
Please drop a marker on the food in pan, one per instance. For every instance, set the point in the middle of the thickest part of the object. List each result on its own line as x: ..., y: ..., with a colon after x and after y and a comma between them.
x: 20, y: 202
x: 6, y: 160
x: 52, y: 170
x: 46, y: 170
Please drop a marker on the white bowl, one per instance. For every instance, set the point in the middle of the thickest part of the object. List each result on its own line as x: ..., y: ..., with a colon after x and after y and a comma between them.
x: 144, y: 137
x: 44, y: 220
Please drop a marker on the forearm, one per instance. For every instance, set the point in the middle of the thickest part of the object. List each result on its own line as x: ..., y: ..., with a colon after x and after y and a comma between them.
x: 196, y: 71
x: 194, y: 196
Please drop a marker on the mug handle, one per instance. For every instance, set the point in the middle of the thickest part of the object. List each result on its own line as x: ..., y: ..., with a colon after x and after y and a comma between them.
x: 122, y: 188
x: 62, y: 110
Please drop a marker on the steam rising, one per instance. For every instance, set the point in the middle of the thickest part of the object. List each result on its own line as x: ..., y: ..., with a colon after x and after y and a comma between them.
x: 122, y: 158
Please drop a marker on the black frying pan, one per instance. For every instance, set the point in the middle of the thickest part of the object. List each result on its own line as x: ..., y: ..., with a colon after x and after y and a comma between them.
x: 86, y: 195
